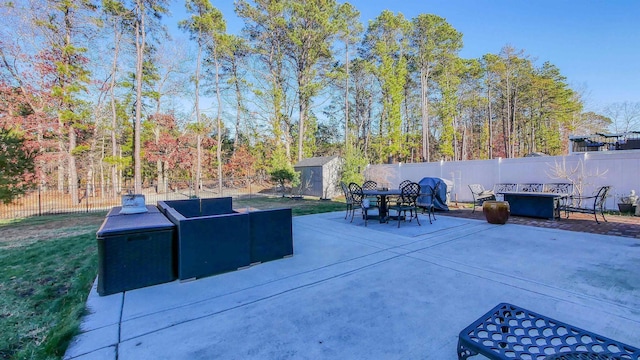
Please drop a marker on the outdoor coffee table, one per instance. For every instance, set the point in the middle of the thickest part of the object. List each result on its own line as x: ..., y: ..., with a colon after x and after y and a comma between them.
x: 508, y: 332
x: 534, y: 204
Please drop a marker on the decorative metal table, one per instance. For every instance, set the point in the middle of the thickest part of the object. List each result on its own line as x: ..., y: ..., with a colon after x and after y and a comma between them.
x: 508, y: 332
x: 382, y: 194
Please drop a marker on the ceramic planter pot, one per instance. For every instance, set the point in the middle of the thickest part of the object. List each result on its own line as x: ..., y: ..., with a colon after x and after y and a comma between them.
x: 626, y: 208
x: 496, y: 212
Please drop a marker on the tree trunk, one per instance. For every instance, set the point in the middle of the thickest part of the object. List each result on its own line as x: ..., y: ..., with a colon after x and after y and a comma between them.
x: 73, y: 172
x: 490, y: 123
x: 346, y: 96
x: 140, y: 48
x: 218, y: 122
x: 236, y: 82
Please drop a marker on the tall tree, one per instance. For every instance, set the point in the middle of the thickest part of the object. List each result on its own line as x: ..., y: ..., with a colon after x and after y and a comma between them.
x: 310, y: 29
x: 435, y: 43
x: 205, y: 25
x: 233, y: 61
x: 265, y: 28
x: 385, y: 44
x: 64, y: 25
x: 349, y: 31
x: 146, y: 14
x: 119, y: 17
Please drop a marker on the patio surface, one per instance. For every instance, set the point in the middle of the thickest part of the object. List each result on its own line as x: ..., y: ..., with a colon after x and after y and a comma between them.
x: 377, y: 292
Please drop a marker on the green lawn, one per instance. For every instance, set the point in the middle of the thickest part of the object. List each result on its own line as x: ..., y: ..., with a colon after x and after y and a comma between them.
x: 47, y: 267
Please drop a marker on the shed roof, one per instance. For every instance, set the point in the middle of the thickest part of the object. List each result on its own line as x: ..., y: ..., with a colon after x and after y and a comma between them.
x: 315, y: 161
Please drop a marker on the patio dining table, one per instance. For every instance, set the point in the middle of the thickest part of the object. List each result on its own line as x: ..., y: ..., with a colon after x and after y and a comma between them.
x: 382, y: 194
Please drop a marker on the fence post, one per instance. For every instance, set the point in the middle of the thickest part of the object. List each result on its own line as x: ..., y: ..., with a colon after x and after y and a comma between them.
x: 39, y: 202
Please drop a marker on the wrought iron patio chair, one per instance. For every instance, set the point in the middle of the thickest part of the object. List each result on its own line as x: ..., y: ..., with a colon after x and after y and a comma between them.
x: 371, y: 185
x: 480, y: 195
x: 409, y: 195
x: 426, y: 200
x: 347, y: 197
x: 359, y: 201
x: 588, y: 204
x: 398, y: 199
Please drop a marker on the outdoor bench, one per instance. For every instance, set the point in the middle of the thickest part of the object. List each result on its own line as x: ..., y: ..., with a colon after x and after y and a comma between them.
x: 480, y: 195
x: 510, y: 332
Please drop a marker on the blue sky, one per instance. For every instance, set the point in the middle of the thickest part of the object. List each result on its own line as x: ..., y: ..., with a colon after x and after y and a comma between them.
x: 594, y: 43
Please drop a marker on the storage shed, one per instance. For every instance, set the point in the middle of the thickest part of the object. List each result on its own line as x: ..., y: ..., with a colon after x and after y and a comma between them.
x: 320, y: 176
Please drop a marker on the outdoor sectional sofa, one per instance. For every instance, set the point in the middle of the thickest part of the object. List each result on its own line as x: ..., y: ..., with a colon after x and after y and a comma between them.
x: 212, y: 238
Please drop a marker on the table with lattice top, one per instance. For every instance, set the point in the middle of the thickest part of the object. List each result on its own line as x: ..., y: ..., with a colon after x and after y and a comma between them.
x: 509, y: 332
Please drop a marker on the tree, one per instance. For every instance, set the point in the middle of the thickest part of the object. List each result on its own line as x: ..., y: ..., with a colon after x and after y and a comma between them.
x: 448, y: 82
x: 120, y: 19
x: 282, y: 171
x: 232, y: 59
x: 310, y: 29
x: 205, y: 26
x: 435, y: 43
x: 64, y: 26
x: 265, y: 29
x: 625, y: 116
x: 16, y: 166
x: 385, y: 45
x: 590, y: 123
x: 144, y: 13
x: 349, y: 30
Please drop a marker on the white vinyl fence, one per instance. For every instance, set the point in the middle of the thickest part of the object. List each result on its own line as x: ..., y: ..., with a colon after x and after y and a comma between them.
x: 589, y: 171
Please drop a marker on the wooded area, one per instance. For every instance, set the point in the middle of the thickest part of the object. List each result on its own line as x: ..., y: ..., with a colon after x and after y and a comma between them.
x: 99, y: 93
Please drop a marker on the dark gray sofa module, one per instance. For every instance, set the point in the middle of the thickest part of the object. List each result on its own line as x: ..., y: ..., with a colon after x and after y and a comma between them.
x: 198, y: 207
x: 212, y: 238
x: 271, y: 234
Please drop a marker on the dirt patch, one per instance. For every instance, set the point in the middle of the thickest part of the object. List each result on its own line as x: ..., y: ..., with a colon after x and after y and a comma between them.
x: 26, y: 232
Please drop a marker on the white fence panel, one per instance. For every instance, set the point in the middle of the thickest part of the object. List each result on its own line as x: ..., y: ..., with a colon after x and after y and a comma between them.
x: 619, y: 169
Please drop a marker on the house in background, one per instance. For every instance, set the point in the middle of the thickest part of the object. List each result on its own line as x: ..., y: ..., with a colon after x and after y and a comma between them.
x: 320, y: 176
x: 605, y: 142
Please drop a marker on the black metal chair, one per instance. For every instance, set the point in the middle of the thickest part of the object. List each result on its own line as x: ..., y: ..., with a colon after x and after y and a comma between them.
x: 360, y: 201
x: 371, y: 185
x: 480, y: 195
x: 588, y: 204
x: 403, y: 183
x: 398, y: 199
x: 347, y: 197
x: 426, y: 200
x: 408, y: 197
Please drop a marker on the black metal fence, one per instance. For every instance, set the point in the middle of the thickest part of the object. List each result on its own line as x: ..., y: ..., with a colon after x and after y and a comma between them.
x: 47, y: 201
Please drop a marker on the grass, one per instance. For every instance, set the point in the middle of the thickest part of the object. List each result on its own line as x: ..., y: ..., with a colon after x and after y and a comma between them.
x: 44, y: 282
x: 47, y: 267
x: 298, y: 207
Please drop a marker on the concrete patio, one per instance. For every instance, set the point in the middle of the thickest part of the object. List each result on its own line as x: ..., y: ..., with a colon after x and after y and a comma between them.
x: 377, y: 292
